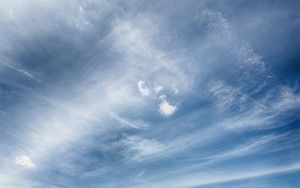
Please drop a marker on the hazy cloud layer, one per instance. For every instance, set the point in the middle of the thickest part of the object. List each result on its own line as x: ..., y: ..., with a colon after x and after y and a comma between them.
x: 143, y: 94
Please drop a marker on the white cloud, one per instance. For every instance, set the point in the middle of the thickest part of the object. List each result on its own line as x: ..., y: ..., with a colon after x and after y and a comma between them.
x: 260, y: 144
x: 25, y: 162
x: 128, y: 123
x: 143, y: 89
x: 135, y: 39
x: 166, y: 109
x: 158, y: 89
x: 139, y: 149
x: 193, y: 180
x: 223, y: 31
x: 80, y: 109
x: 244, y: 111
x: 8, y: 64
x: 162, y: 97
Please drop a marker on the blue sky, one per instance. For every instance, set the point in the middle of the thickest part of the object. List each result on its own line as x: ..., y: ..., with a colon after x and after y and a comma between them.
x: 144, y: 94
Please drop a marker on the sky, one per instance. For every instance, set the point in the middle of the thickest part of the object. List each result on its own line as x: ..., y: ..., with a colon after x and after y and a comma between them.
x: 149, y: 94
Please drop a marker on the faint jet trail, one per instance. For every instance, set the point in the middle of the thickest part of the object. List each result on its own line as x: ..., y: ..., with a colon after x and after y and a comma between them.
x: 24, y: 72
x: 253, y: 100
x: 2, y: 112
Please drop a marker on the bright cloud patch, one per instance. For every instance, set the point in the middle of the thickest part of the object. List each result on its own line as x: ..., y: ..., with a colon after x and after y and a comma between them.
x: 158, y: 89
x: 139, y: 148
x: 166, y: 109
x: 24, y: 161
x: 143, y: 89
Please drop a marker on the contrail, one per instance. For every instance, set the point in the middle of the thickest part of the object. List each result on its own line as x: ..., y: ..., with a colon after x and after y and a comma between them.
x: 2, y: 112
x: 253, y: 100
x: 24, y: 72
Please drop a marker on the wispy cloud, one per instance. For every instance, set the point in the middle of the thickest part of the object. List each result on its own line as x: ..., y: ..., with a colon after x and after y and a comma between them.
x: 218, y: 178
x: 139, y: 149
x: 22, y: 71
x: 251, y: 63
x: 254, y: 146
x: 126, y: 122
x: 152, y: 94
x: 248, y: 112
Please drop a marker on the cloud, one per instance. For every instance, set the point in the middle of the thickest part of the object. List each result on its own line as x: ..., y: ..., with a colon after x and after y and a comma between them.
x: 158, y: 89
x: 166, y: 109
x: 22, y: 71
x: 2, y: 112
x: 110, y: 54
x: 139, y: 149
x: 251, y: 147
x: 24, y: 162
x: 135, y: 38
x: 208, y: 178
x: 249, y: 62
x: 243, y: 111
x: 145, y: 91
x: 128, y: 123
